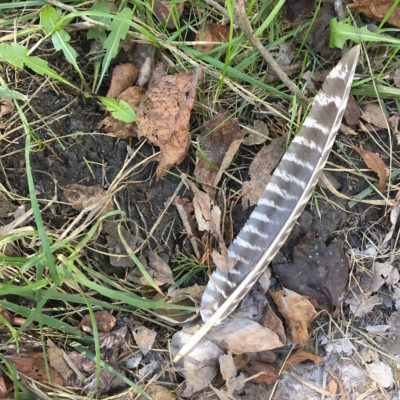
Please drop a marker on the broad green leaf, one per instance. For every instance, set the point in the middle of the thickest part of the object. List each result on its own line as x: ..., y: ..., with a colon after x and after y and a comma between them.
x: 17, y: 55
x: 342, y: 31
x: 118, y: 31
x: 96, y: 32
x: 119, y: 109
x: 60, y: 38
x: 7, y: 93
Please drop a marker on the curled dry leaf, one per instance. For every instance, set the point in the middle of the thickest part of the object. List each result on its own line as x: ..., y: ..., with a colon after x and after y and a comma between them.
x: 257, y: 134
x: 297, y: 311
x: 105, y: 321
x: 299, y: 356
x: 213, y: 33
x: 375, y: 163
x: 384, y: 273
x: 164, y: 113
x: 6, y: 107
x: 82, y: 197
x: 123, y: 76
x: 318, y: 271
x: 260, y: 171
x: 266, y: 373
x: 377, y: 10
x: 219, y: 143
x: 352, y: 113
x: 144, y: 338
x: 122, y: 130
x: 164, y: 10
x: 227, y: 367
x: 271, y: 321
x: 373, y: 114
x: 56, y: 360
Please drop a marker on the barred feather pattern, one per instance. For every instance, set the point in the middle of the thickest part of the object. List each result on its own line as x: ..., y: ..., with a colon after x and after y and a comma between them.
x: 284, y: 198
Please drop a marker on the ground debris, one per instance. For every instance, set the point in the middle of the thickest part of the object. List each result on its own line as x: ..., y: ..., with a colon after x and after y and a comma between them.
x: 105, y: 321
x: 167, y: 11
x: 375, y: 163
x: 84, y: 197
x: 213, y: 33
x: 123, y: 76
x: 377, y: 10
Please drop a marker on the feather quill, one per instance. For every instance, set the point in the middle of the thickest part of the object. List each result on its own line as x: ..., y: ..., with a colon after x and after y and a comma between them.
x: 284, y: 198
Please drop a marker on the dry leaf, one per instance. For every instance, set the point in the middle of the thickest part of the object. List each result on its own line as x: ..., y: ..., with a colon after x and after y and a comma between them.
x: 241, y: 335
x: 158, y: 392
x: 227, y: 367
x: 105, y: 321
x: 373, y: 114
x: 144, y: 338
x: 271, y: 321
x: 123, y: 130
x: 361, y: 305
x: 258, y: 133
x: 3, y: 389
x: 82, y: 197
x: 268, y: 373
x: 375, y: 163
x: 352, y: 113
x: 6, y: 107
x: 384, y: 273
x: 123, y: 76
x: 212, y: 33
x: 159, y: 270
x: 377, y: 10
x: 56, y: 360
x: 298, y: 10
x: 260, y: 171
x: 163, y: 10
x: 332, y: 387
x: 299, y: 356
x: 32, y: 365
x: 382, y: 374
x: 297, y: 311
x: 219, y: 143
x: 318, y: 271
x: 164, y: 113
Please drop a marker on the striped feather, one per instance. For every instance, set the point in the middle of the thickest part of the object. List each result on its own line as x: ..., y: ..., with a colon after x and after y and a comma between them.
x: 284, y: 198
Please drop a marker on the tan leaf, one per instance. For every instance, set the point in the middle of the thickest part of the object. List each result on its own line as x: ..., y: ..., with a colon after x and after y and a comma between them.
x: 144, y: 338
x: 163, y: 10
x: 227, y: 367
x: 219, y: 143
x: 123, y: 76
x: 3, y: 389
x: 56, y: 360
x: 373, y: 114
x: 377, y: 10
x: 6, y: 107
x: 32, y: 365
x: 352, y: 113
x: 260, y: 171
x: 164, y: 113
x: 213, y: 33
x: 82, y: 197
x: 267, y: 373
x: 158, y: 392
x: 332, y: 387
x: 274, y: 323
x: 122, y: 130
x: 258, y: 133
x: 105, y: 321
x: 299, y: 356
x: 297, y: 311
x: 375, y: 163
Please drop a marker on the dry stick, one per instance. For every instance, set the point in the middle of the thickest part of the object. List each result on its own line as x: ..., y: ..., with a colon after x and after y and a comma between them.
x: 256, y: 42
x: 218, y: 7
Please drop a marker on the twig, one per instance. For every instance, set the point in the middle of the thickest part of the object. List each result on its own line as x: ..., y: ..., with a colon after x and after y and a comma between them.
x: 256, y: 42
x: 218, y: 7
x: 339, y: 9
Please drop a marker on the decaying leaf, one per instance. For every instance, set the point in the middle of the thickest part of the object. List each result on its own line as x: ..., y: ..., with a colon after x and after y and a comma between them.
x: 382, y: 374
x: 163, y: 116
x: 105, y: 321
x: 123, y: 76
x: 213, y: 33
x: 384, y: 273
x: 266, y: 373
x: 82, y: 197
x: 219, y: 143
x: 363, y: 305
x: 56, y: 360
x: 299, y: 356
x: 375, y: 163
x: 352, y: 113
x: 377, y: 10
x: 122, y: 130
x: 6, y: 107
x: 373, y: 114
x: 332, y: 387
x: 271, y: 321
x: 32, y: 365
x: 318, y: 271
x: 227, y: 367
x: 298, y: 10
x: 3, y: 389
x: 144, y: 338
x: 297, y: 311
x: 167, y: 11
x: 158, y: 392
x: 260, y: 171
x: 257, y: 134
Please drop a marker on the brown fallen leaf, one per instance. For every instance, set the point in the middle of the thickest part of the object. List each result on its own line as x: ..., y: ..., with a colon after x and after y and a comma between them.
x: 6, y: 107
x: 158, y: 392
x: 352, y: 113
x: 227, y: 367
x: 56, y: 360
x: 260, y: 171
x: 105, y: 321
x: 219, y: 143
x: 318, y: 271
x: 258, y: 133
x: 3, y: 389
x: 267, y: 373
x: 332, y: 387
x: 299, y: 356
x: 375, y: 163
x: 163, y: 116
x: 32, y: 365
x: 363, y: 305
x: 82, y: 197
x: 271, y: 321
x: 133, y: 96
x: 298, y: 10
x: 123, y: 76
x: 377, y: 10
x: 167, y: 11
x: 297, y: 311
x: 373, y: 114
x: 214, y: 33
x: 144, y: 338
